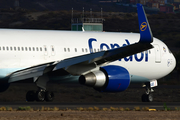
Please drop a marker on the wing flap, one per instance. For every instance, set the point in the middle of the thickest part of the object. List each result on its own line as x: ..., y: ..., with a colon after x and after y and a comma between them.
x: 31, y: 72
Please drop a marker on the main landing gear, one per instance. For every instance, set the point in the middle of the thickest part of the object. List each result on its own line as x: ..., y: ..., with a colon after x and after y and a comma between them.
x: 148, y: 96
x: 40, y: 96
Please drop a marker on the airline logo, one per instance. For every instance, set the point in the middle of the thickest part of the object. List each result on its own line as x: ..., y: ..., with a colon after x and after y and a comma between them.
x: 143, y: 56
x: 143, y: 26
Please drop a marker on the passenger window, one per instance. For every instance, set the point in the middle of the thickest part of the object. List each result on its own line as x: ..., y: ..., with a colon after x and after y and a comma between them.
x: 33, y: 49
x: 68, y: 50
x: 86, y: 50
x: 26, y: 48
x: 82, y: 49
x: 29, y: 48
x: 37, y: 49
x: 40, y: 48
x: 3, y: 48
x: 0, y: 48
x: 64, y: 49
x: 11, y: 48
x: 45, y: 49
x: 22, y: 48
x: 75, y: 49
x: 18, y: 48
x: 14, y: 48
x: 94, y: 50
x: 91, y: 50
x: 7, y: 48
x: 52, y: 49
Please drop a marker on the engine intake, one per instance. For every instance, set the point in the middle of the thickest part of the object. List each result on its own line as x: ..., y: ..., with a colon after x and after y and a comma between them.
x: 108, y: 79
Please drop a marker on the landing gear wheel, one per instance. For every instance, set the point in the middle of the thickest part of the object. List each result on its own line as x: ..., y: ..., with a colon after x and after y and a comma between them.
x: 30, y: 96
x: 49, y: 96
x: 147, y: 98
x: 40, y: 96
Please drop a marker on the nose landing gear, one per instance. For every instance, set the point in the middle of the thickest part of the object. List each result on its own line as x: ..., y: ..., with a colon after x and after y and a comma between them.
x: 148, y: 96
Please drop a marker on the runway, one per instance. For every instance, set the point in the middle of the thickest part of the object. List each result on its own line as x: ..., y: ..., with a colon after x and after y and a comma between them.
x: 62, y: 106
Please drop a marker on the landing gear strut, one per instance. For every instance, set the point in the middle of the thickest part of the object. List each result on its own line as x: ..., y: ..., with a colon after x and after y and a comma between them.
x: 147, y: 97
x: 40, y: 96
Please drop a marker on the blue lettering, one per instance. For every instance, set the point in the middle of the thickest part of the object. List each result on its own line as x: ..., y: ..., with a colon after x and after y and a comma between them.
x: 139, y: 59
x: 90, y: 44
x: 114, y: 46
x: 102, y: 45
x: 146, y: 56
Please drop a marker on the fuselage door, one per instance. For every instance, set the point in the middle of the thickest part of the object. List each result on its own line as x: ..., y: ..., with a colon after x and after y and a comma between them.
x: 157, y: 53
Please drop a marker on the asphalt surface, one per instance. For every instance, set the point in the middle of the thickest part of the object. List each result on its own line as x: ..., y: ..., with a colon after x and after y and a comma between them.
x: 36, y: 105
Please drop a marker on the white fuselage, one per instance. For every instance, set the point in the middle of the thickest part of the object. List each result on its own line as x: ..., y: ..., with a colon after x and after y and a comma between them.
x: 21, y: 49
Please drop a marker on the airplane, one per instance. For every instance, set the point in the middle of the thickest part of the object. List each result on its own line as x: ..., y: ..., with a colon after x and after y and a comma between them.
x: 105, y: 61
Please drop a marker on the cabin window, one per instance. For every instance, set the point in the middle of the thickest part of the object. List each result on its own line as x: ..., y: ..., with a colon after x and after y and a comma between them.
x: 86, y: 50
x: 18, y: 48
x: 11, y: 48
x: 7, y: 48
x: 29, y: 48
x: 94, y: 50
x: 52, y: 48
x: 0, y: 48
x: 75, y: 49
x: 45, y: 49
x: 68, y: 50
x: 3, y: 48
x: 14, y: 48
x: 40, y: 48
x: 82, y: 49
x: 33, y: 49
x: 64, y: 49
x: 22, y: 48
x: 37, y: 49
x: 26, y: 49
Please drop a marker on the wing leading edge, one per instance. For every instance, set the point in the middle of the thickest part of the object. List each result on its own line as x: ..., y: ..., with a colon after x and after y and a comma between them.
x: 90, y: 61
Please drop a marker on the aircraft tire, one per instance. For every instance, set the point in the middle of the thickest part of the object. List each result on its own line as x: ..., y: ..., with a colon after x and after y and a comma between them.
x: 30, y: 96
x: 40, y: 96
x: 49, y: 96
x: 147, y: 98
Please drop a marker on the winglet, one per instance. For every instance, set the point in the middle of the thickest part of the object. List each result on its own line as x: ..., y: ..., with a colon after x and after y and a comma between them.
x: 145, y: 30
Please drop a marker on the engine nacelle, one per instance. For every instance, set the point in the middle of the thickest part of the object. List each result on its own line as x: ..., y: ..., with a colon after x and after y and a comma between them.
x: 108, y: 79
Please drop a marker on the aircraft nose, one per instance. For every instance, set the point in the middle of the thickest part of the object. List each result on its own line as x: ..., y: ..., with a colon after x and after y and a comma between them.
x: 172, y: 62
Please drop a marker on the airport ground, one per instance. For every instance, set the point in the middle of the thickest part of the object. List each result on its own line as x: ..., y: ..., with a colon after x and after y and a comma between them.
x: 65, y: 93
x: 75, y: 93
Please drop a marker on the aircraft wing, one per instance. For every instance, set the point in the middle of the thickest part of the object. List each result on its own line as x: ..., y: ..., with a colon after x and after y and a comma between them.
x: 90, y: 61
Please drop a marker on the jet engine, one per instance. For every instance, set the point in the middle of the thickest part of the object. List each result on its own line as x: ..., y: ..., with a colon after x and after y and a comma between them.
x: 108, y: 79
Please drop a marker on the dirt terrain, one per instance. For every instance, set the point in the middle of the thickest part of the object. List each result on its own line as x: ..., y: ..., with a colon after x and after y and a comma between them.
x: 86, y: 115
